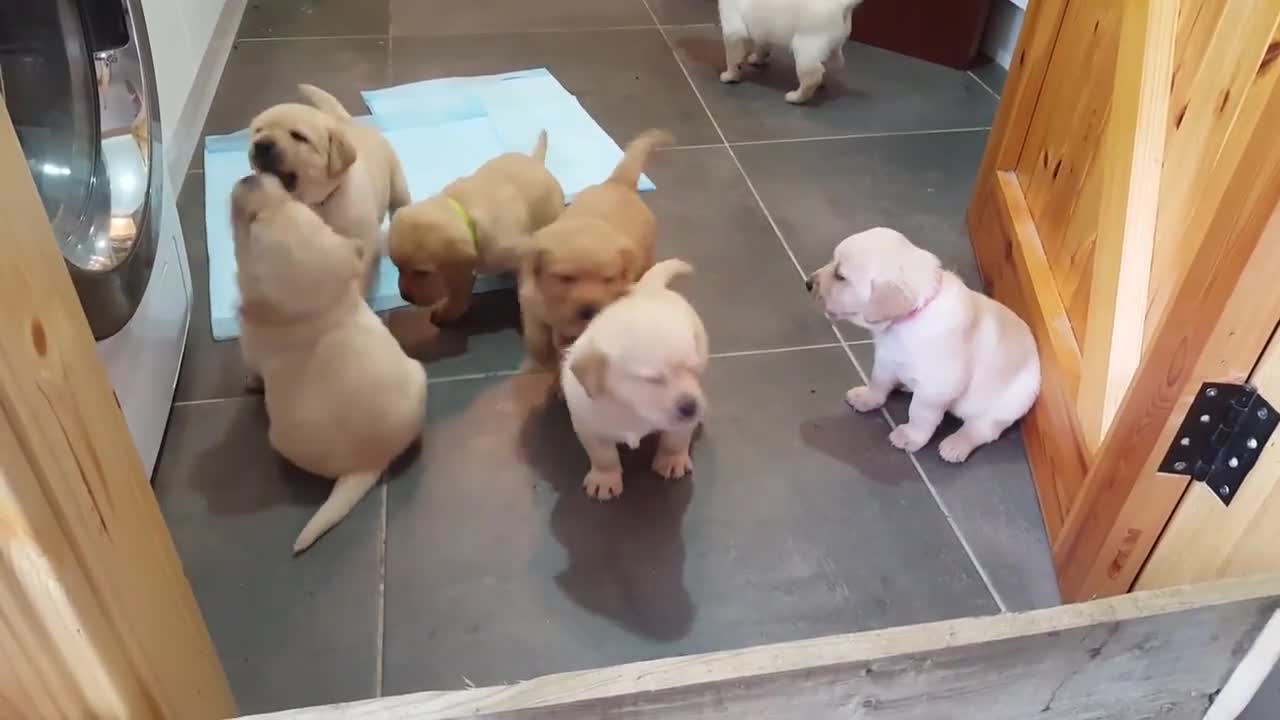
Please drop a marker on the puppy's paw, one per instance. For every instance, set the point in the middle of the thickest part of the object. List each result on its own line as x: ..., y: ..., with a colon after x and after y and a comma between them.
x: 255, y: 384
x: 799, y: 96
x: 905, y: 437
x: 732, y: 75
x: 864, y: 399
x: 955, y: 448
x: 603, y: 484
x: 758, y: 58
x: 672, y: 465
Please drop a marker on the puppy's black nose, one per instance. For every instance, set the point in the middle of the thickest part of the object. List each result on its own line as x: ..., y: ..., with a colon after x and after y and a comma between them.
x: 586, y: 312
x: 808, y: 284
x: 263, y: 149
x: 687, y: 407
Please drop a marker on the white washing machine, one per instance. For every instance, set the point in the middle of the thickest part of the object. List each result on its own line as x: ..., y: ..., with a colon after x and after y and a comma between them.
x: 79, y: 85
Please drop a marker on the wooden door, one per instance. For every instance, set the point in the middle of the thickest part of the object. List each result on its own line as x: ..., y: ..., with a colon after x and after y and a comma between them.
x: 96, y: 617
x: 1125, y: 208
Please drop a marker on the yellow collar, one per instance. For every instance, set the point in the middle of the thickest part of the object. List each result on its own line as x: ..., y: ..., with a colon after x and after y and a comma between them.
x: 466, y: 217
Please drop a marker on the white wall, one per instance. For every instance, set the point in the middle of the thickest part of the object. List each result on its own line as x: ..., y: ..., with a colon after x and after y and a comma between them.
x: 1002, y: 30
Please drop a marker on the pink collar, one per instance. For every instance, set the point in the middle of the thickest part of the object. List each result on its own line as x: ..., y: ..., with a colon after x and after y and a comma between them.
x: 937, y: 290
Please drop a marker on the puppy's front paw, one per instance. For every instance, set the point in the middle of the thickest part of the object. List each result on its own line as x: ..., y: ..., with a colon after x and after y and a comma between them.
x: 603, y: 484
x: 732, y: 75
x: 864, y: 399
x: 905, y: 437
x: 758, y: 58
x: 672, y: 465
x: 798, y: 96
x: 955, y: 448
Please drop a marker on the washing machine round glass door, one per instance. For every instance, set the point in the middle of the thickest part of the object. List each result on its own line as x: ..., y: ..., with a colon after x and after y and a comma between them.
x: 76, y: 78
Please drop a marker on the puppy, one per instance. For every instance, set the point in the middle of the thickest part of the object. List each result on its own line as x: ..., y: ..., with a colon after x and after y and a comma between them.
x: 482, y: 223
x: 589, y: 256
x: 814, y: 30
x: 347, y: 172
x: 957, y: 350
x: 636, y: 370
x: 342, y: 398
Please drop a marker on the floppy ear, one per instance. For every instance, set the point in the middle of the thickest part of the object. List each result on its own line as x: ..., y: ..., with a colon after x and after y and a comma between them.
x: 590, y: 369
x: 888, y: 301
x: 341, y: 152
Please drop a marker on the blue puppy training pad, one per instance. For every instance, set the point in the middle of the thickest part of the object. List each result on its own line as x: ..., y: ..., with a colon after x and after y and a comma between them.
x: 441, y: 130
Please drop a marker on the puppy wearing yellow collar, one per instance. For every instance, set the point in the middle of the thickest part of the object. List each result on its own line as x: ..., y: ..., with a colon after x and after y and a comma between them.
x: 479, y: 224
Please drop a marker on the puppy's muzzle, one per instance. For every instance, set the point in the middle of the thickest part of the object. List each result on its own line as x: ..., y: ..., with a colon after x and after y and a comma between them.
x: 809, y: 284
x: 586, y: 312
x: 264, y: 155
x: 687, y: 407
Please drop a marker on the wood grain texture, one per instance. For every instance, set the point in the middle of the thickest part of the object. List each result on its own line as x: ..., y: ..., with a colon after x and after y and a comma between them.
x: 1206, y: 540
x: 1219, y: 321
x: 1161, y: 654
x: 96, y: 616
x: 1132, y: 162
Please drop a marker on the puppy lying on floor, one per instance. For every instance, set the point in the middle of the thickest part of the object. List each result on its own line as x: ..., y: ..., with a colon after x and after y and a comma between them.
x: 482, y: 223
x: 814, y: 30
x: 342, y: 398
x: 588, y: 257
x: 347, y: 172
x: 957, y: 350
x: 637, y: 370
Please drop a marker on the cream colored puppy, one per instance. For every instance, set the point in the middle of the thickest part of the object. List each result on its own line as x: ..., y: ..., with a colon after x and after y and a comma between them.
x: 347, y: 172
x: 814, y: 30
x: 342, y: 398
x: 634, y: 371
x: 955, y: 349
x: 482, y: 223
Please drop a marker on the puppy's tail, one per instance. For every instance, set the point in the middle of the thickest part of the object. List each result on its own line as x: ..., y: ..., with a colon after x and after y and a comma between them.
x: 662, y: 273
x: 540, y: 150
x: 323, y: 101
x: 637, y: 154
x: 346, y: 492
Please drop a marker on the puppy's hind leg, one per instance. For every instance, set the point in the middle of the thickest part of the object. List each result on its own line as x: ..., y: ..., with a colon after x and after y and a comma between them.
x: 672, y: 460
x: 956, y: 447
x: 735, y: 52
x: 759, y: 56
x: 810, y: 51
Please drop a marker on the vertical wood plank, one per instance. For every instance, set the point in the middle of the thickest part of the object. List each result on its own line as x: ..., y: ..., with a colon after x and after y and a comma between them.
x: 96, y: 616
x: 1133, y: 155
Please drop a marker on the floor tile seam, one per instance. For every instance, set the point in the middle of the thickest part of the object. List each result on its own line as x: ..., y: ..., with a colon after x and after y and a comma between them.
x: 937, y: 497
x: 477, y: 33
x: 985, y: 86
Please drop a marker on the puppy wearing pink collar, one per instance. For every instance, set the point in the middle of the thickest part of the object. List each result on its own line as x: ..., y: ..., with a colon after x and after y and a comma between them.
x: 955, y: 349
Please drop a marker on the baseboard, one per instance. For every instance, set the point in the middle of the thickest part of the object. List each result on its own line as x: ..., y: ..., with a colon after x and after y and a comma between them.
x: 1003, y: 27
x: 190, y: 122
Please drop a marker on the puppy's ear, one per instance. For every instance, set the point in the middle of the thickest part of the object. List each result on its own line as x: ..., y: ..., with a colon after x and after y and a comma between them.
x: 342, y: 153
x: 889, y: 301
x: 590, y: 368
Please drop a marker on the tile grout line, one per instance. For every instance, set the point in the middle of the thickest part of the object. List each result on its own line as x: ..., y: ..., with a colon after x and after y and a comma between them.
x: 986, y: 579
x: 937, y: 497
x: 535, y: 31
x: 985, y: 86
x: 860, y: 136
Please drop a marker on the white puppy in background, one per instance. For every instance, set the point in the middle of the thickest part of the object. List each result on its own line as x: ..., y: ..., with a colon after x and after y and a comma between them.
x: 635, y: 370
x: 342, y: 398
x: 957, y: 350
x: 814, y: 30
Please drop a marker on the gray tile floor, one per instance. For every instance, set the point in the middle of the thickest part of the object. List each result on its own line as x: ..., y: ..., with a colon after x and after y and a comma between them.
x: 479, y: 561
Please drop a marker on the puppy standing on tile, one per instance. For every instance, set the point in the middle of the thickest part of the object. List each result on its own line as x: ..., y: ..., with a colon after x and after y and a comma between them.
x: 347, y: 172
x: 482, y: 223
x: 956, y: 350
x: 342, y: 398
x: 814, y: 30
x: 634, y: 371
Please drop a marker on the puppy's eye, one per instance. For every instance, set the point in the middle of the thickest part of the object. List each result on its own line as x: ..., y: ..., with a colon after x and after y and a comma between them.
x: 299, y: 137
x: 655, y: 379
x: 837, y: 275
x: 567, y: 279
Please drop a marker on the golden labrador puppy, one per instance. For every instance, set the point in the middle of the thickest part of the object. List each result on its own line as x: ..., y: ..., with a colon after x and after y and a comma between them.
x: 342, y: 398
x: 482, y: 223
x: 634, y: 371
x: 347, y: 172
x: 588, y: 257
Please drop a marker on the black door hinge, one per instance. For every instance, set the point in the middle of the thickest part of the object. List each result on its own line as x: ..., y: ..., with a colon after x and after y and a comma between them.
x: 1221, y: 437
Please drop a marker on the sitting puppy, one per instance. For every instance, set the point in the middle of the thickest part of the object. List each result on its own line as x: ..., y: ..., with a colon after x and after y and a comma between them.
x: 342, y: 398
x: 347, y: 172
x: 957, y: 350
x: 482, y: 223
x: 815, y: 30
x: 588, y: 257
x: 636, y: 370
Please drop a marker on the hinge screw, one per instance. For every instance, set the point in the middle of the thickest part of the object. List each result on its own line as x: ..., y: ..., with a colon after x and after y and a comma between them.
x: 1251, y: 443
x: 1233, y: 462
x: 1211, y: 392
x: 1223, y: 490
x: 1262, y: 413
x: 1185, y: 442
x: 1205, y: 418
x: 1180, y: 466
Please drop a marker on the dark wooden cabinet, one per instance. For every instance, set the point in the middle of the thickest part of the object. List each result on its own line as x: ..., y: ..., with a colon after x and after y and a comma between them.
x: 946, y: 32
